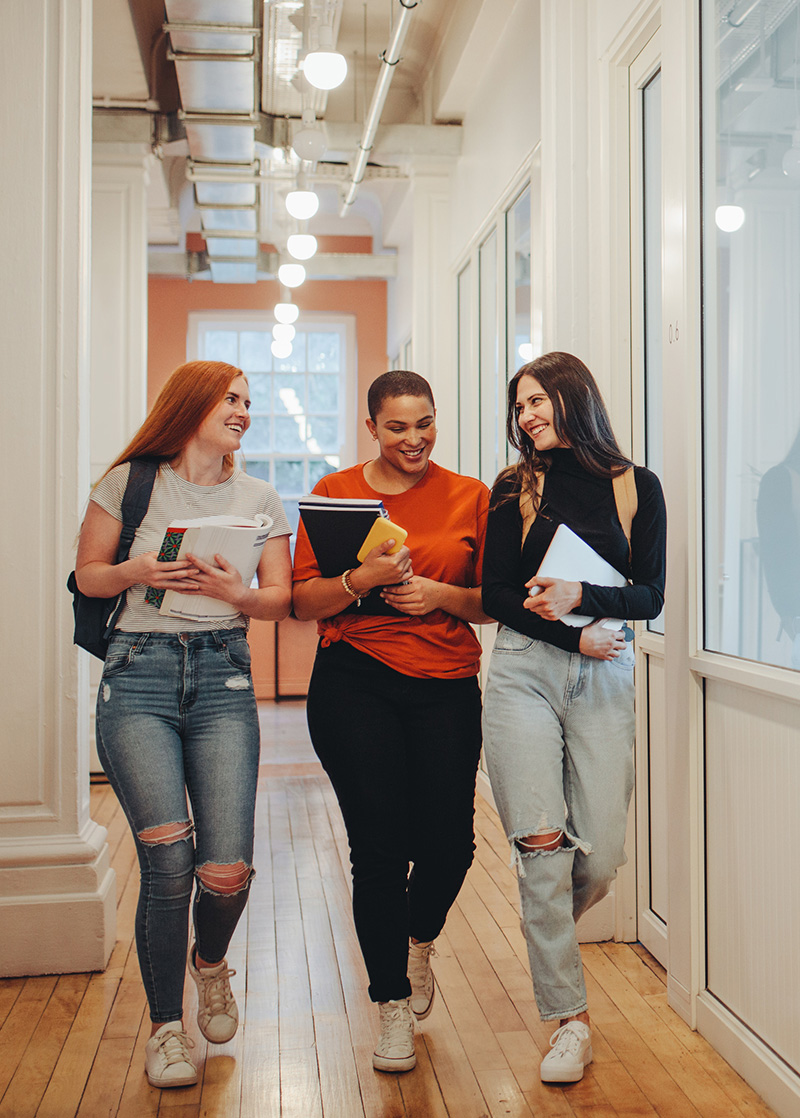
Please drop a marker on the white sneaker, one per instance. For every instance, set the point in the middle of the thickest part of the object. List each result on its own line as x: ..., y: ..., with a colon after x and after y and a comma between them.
x: 167, y: 1062
x: 395, y: 1048
x: 570, y: 1052
x: 420, y: 975
x: 217, y: 1015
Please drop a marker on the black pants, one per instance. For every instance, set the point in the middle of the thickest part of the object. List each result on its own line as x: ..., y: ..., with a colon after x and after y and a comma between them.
x: 402, y: 754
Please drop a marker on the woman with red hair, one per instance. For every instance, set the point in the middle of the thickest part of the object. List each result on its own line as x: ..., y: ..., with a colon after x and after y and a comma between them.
x: 176, y: 712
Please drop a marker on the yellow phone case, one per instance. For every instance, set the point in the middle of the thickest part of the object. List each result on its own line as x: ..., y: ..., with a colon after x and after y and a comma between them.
x: 381, y: 531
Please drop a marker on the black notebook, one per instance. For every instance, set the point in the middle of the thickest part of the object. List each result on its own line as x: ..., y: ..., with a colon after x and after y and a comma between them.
x: 336, y: 528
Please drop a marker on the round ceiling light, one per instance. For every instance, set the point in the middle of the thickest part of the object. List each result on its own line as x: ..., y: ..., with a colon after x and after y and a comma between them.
x: 283, y: 332
x: 302, y: 204
x: 286, y: 312
x: 281, y: 350
x: 302, y: 246
x: 729, y: 218
x: 291, y: 275
x: 325, y: 68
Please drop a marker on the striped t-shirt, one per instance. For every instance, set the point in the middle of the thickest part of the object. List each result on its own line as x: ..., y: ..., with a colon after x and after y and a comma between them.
x: 174, y: 498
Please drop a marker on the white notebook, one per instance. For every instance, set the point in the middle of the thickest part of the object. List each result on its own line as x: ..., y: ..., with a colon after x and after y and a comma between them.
x: 569, y: 557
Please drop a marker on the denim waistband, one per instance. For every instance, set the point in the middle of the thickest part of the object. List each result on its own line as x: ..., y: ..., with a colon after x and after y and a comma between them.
x: 205, y: 638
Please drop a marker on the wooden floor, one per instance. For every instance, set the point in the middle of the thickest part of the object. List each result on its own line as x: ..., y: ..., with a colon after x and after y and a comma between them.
x: 72, y: 1045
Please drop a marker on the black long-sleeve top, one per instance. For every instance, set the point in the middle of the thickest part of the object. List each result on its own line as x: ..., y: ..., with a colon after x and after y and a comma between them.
x: 585, y: 503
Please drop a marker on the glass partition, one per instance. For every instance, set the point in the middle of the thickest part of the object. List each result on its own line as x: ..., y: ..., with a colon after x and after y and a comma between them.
x: 518, y: 293
x: 751, y: 329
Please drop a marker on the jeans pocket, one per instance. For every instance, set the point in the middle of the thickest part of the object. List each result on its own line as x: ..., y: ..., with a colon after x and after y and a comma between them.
x: 237, y: 653
x: 121, y: 652
x: 509, y: 640
x: 626, y: 660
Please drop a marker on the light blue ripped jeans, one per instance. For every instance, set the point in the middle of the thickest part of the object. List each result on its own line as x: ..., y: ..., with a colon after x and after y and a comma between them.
x: 176, y: 715
x: 558, y: 732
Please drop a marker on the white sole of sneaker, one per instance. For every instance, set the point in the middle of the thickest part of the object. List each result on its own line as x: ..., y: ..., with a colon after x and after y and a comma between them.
x: 576, y: 1077
x: 383, y: 1063
x: 164, y: 1084
x: 425, y: 1013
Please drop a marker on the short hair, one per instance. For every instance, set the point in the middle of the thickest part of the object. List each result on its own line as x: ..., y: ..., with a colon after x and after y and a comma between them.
x: 191, y: 393
x: 397, y: 382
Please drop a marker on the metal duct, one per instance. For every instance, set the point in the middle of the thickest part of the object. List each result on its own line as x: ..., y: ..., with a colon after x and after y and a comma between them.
x: 214, y: 45
x: 389, y: 58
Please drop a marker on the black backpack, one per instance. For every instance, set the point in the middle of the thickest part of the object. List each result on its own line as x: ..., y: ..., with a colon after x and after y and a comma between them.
x: 95, y: 618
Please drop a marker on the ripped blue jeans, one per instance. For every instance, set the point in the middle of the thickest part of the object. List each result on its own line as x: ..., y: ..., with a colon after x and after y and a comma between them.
x: 558, y: 731
x: 177, y: 717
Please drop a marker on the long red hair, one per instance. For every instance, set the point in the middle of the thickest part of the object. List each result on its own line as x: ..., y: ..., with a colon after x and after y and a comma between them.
x: 191, y: 393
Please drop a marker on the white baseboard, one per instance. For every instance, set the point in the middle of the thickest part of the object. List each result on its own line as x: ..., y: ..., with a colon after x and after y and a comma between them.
x: 776, y: 1082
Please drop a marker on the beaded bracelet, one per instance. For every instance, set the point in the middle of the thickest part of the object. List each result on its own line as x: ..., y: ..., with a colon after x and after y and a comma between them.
x: 346, y: 584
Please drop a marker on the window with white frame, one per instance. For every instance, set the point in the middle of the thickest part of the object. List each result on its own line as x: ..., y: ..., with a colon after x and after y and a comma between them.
x: 301, y: 427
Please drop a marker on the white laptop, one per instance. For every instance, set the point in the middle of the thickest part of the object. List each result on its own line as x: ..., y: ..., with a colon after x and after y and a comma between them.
x: 571, y: 558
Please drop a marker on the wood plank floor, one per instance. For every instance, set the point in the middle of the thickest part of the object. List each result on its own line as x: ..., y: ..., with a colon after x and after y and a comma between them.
x: 72, y: 1044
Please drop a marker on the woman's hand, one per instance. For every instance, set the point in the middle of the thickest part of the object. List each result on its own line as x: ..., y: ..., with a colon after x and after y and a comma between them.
x: 381, y: 569
x: 179, y: 575
x: 602, y: 644
x: 416, y: 596
x: 222, y: 582
x: 555, y: 598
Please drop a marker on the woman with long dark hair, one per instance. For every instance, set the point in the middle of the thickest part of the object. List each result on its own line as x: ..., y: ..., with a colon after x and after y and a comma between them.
x: 176, y: 712
x: 558, y: 708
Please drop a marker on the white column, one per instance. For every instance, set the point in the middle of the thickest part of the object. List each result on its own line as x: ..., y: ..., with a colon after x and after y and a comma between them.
x: 118, y: 320
x: 566, y: 243
x: 432, y: 333
x: 57, y: 890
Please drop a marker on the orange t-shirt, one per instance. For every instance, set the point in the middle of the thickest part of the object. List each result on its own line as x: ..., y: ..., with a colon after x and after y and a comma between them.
x: 445, y: 517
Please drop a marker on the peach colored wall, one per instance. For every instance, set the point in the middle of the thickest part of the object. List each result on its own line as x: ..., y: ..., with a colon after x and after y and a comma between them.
x: 172, y: 299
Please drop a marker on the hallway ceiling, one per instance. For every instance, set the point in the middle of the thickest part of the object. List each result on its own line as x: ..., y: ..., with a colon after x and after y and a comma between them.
x: 218, y: 108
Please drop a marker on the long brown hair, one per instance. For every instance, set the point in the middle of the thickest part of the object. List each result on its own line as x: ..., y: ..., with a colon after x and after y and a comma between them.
x: 580, y: 420
x: 191, y: 393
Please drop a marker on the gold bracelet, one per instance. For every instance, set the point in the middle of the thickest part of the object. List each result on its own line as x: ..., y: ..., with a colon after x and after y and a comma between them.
x: 346, y: 584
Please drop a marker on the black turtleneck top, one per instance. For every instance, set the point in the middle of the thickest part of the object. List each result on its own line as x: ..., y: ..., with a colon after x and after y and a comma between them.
x: 585, y: 503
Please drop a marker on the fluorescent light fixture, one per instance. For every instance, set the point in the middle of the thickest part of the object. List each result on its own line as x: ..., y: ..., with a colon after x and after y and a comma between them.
x: 286, y: 312
x: 302, y: 246
x: 302, y: 204
x: 283, y: 332
x: 324, y: 67
x: 291, y: 275
x: 281, y: 350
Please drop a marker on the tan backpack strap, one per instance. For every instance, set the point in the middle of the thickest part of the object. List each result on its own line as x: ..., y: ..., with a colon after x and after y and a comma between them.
x: 627, y: 501
x: 527, y: 507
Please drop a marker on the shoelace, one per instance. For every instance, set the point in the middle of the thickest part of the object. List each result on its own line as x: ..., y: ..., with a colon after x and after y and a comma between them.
x: 419, y: 962
x: 565, y: 1041
x: 174, y: 1047
x: 394, y: 1024
x: 217, y: 996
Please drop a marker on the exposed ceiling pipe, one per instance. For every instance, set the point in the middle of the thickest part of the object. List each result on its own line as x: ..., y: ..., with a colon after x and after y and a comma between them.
x: 389, y: 59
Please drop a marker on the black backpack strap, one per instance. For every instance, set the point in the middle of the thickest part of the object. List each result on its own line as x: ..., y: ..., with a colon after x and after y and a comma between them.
x: 135, y: 502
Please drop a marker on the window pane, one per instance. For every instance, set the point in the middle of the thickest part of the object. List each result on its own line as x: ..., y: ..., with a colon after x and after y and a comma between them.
x: 221, y: 345
x: 255, y: 355
x: 319, y: 468
x: 289, y: 395
x: 289, y: 477
x: 751, y: 340
x: 467, y: 424
x: 653, y: 384
x: 260, y: 387
x: 257, y: 437
x: 518, y: 295
x: 323, y: 434
x: 296, y: 361
x: 258, y: 467
x: 323, y: 394
x: 290, y: 434
x: 489, y: 361
x: 323, y: 353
